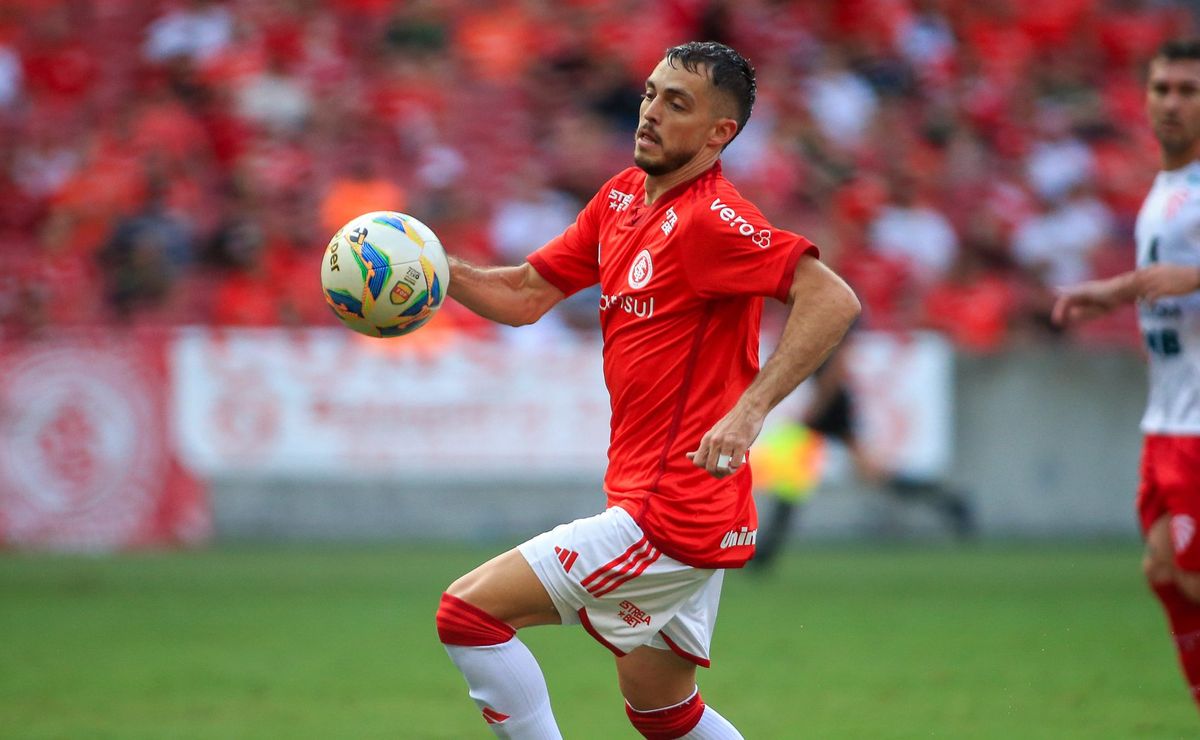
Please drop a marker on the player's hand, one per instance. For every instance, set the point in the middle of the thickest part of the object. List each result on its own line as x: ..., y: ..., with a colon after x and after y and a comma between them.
x: 1081, y: 303
x: 1157, y: 281
x: 722, y: 449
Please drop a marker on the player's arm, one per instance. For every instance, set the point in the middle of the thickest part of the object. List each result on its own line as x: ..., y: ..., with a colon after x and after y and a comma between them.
x: 822, y: 307
x: 1097, y: 297
x: 509, y: 295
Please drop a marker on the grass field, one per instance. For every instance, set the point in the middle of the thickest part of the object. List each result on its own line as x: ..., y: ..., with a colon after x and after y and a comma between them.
x: 897, y: 642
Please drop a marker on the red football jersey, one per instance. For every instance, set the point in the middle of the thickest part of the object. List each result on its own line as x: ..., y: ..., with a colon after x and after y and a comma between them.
x: 682, y: 283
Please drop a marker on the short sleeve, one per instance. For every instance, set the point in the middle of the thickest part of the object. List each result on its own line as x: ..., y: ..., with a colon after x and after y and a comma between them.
x: 734, y: 251
x: 570, y: 261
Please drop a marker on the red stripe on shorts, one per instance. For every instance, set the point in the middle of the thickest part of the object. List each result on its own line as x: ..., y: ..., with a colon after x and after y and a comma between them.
x: 617, y: 583
x: 613, y: 563
x: 629, y: 565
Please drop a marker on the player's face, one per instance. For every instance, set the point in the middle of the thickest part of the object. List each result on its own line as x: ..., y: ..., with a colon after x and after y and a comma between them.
x: 678, y: 118
x: 1173, y: 104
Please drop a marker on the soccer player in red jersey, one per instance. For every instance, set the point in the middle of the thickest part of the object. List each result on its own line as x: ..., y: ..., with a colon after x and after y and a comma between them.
x: 1166, y: 288
x: 683, y: 263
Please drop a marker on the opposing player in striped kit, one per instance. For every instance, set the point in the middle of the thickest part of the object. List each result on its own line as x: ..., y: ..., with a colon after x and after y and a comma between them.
x: 1165, y: 287
x: 683, y: 263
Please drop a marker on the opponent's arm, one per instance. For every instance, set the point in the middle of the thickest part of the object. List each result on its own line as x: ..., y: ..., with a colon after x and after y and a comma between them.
x: 822, y: 309
x: 509, y: 295
x: 1097, y: 297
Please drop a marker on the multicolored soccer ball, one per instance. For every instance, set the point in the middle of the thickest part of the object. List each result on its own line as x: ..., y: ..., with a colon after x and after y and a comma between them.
x: 385, y: 274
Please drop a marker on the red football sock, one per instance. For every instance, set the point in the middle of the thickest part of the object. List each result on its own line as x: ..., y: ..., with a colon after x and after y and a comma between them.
x: 1183, y: 615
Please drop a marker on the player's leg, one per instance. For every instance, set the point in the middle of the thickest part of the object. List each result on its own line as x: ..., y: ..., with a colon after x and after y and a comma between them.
x: 663, y: 701
x: 477, y: 620
x: 1169, y: 510
x: 507, y: 588
x: 1179, y: 593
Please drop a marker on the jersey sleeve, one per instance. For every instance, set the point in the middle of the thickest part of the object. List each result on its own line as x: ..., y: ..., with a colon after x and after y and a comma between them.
x: 734, y: 251
x: 570, y: 261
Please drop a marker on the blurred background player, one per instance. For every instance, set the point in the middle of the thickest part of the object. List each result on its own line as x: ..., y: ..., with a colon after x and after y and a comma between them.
x: 1165, y: 286
x: 683, y: 262
x: 793, y: 459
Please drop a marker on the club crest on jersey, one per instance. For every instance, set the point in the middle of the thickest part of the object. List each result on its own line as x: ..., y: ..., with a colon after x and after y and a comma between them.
x: 641, y: 270
x: 1175, y: 203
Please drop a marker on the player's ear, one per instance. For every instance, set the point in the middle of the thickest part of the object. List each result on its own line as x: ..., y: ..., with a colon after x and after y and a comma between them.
x: 723, y: 131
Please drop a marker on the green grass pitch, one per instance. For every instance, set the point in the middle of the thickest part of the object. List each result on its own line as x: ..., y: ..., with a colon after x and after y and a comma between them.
x: 1004, y: 642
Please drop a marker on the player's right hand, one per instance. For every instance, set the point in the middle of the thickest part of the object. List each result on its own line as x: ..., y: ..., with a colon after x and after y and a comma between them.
x: 1081, y: 303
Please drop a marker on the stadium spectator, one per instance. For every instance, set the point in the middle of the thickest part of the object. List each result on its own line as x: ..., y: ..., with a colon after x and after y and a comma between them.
x: 197, y: 32
x: 1166, y: 288
x: 363, y: 187
x: 533, y: 213
x: 914, y: 233
x: 11, y: 76
x: 146, y: 254
x: 644, y: 577
x: 1060, y: 243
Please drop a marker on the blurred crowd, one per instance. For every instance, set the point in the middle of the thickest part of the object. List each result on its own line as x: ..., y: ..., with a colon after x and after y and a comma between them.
x: 186, y: 162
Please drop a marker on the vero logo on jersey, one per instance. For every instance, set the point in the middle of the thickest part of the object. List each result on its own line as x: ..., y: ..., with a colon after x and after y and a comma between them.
x: 761, y: 237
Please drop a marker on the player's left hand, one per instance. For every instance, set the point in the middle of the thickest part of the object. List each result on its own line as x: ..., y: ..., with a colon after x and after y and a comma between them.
x: 722, y: 450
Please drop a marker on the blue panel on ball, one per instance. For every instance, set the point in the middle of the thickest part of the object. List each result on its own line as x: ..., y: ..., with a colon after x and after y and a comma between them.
x: 435, y: 291
x: 397, y: 331
x: 379, y: 269
x: 420, y: 303
x: 342, y: 301
x: 391, y: 220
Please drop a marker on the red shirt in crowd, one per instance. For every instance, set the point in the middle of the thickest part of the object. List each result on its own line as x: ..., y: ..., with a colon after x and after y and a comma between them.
x: 682, y: 282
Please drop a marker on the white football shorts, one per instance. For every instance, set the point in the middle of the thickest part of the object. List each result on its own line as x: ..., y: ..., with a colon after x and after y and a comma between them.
x: 603, y: 573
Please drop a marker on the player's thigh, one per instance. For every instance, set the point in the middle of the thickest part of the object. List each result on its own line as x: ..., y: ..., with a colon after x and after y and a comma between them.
x: 652, y: 679
x: 507, y: 588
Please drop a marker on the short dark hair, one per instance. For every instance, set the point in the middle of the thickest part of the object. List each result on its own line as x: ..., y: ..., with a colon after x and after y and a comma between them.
x: 730, y: 72
x: 1179, y: 50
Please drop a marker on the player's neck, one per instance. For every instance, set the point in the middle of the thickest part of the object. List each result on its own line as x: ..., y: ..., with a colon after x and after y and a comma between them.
x: 657, y: 185
x: 1178, y: 160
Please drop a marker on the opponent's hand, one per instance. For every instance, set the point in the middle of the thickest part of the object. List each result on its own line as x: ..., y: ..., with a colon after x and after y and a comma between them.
x: 722, y: 449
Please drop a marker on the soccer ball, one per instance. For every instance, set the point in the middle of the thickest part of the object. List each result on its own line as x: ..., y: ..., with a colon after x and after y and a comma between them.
x: 385, y: 274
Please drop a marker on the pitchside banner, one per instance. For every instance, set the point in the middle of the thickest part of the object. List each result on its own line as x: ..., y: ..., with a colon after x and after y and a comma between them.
x: 328, y: 403
x: 85, y: 460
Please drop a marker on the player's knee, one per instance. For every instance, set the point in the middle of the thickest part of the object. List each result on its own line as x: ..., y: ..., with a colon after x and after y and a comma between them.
x: 462, y: 623
x: 667, y: 723
x: 1188, y: 583
x: 1157, y: 569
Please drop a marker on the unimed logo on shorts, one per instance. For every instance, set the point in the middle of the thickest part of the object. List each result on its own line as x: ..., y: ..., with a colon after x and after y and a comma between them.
x: 739, y: 537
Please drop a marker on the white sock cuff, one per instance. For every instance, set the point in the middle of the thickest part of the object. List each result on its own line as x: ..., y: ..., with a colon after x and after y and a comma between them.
x: 695, y: 690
